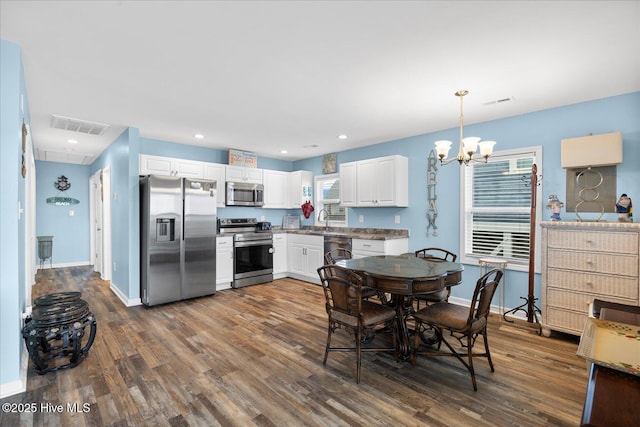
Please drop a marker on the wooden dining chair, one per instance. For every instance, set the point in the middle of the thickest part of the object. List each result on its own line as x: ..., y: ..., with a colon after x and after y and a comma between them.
x: 464, y: 322
x: 435, y: 254
x: 347, y: 309
x: 337, y: 254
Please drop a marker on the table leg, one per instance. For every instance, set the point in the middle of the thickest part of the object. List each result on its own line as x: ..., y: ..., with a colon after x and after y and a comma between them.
x: 404, y: 308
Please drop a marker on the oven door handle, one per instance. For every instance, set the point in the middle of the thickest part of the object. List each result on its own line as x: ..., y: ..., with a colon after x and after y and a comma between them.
x: 253, y: 243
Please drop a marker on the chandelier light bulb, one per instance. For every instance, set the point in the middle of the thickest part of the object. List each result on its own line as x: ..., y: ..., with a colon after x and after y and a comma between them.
x: 468, y: 145
x: 442, y: 148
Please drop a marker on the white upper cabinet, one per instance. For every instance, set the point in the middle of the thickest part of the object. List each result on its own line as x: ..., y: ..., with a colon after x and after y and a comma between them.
x: 244, y: 174
x: 379, y: 182
x: 286, y: 190
x: 300, y: 188
x: 169, y: 166
x: 276, y: 189
x: 348, y: 184
x: 216, y: 172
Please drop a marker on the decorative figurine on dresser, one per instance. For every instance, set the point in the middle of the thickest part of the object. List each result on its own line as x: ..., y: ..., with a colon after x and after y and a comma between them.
x: 624, y: 208
x: 555, y: 205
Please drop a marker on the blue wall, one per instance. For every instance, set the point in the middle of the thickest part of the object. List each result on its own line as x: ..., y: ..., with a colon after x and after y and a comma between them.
x: 190, y: 152
x: 169, y: 149
x: 12, y: 227
x: 544, y: 128
x: 71, y: 234
x: 122, y: 158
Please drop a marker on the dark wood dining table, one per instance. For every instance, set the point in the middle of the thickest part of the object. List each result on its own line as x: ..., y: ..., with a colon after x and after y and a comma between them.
x: 403, y: 277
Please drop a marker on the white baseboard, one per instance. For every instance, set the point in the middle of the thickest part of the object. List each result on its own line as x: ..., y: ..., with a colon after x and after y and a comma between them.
x: 495, y: 309
x: 19, y: 385
x: 223, y: 286
x: 122, y: 297
x: 46, y: 266
x: 315, y: 280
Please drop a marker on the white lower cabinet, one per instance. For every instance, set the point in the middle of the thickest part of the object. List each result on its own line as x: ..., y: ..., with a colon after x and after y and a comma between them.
x: 305, y: 256
x: 224, y: 262
x: 279, y: 255
x: 364, y: 247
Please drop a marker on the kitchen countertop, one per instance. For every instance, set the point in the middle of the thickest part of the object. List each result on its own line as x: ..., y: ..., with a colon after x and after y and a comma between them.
x: 352, y: 232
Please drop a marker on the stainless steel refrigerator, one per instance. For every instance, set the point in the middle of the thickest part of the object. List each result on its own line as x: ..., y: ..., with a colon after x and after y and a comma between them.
x: 178, y: 238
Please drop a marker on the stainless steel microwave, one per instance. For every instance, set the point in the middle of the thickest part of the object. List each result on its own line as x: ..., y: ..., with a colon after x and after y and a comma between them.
x: 244, y: 194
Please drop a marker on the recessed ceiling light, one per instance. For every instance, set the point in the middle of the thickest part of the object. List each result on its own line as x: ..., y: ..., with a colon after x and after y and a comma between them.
x: 342, y: 136
x: 72, y: 141
x: 283, y: 151
x: 198, y: 136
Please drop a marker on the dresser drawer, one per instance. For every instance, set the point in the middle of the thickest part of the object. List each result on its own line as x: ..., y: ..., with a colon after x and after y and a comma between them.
x: 565, y: 320
x: 602, y: 284
x: 577, y: 301
x: 623, y: 243
x: 624, y: 265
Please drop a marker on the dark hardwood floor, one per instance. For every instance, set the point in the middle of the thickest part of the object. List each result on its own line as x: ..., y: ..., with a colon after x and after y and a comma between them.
x: 253, y: 356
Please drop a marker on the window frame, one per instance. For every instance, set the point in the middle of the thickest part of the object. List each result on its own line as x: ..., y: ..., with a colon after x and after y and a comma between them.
x: 468, y: 257
x: 319, y: 202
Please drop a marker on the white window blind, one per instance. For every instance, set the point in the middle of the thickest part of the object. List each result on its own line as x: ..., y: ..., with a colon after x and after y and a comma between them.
x: 328, y: 198
x: 497, y: 206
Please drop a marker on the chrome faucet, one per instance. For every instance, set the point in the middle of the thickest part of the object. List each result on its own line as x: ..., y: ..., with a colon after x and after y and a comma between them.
x: 326, y: 218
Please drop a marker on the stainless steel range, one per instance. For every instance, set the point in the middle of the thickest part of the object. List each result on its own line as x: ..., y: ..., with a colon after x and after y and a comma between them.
x: 252, y: 250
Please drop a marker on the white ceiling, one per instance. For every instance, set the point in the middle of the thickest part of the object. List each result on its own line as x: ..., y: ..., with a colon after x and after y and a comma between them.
x: 264, y: 76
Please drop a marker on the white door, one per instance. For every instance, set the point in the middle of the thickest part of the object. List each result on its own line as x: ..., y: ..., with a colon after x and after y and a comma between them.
x: 106, y: 223
x: 96, y: 222
x: 30, y: 217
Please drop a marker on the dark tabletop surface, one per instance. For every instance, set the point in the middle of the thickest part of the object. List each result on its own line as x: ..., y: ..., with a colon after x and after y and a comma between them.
x: 404, y: 266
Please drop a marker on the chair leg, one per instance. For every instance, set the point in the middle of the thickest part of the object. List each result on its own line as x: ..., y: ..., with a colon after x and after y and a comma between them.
x: 358, y: 353
x: 486, y: 349
x: 470, y: 356
x: 394, y: 338
x: 326, y: 350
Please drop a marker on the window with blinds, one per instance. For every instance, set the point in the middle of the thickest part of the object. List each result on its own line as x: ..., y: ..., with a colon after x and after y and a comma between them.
x: 328, y: 194
x: 497, y: 206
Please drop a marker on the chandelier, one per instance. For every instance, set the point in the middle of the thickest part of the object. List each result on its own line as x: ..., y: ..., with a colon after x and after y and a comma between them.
x: 468, y: 145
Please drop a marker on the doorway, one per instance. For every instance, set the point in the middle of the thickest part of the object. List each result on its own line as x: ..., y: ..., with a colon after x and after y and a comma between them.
x: 29, y: 174
x: 100, y: 211
x: 96, y: 221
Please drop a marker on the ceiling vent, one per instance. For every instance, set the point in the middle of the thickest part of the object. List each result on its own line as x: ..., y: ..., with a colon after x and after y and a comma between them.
x: 77, y: 125
x: 500, y: 101
x: 64, y: 157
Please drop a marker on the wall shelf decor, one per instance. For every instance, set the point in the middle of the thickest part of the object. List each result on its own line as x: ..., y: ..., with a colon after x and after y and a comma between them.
x: 432, y: 181
x: 62, y: 184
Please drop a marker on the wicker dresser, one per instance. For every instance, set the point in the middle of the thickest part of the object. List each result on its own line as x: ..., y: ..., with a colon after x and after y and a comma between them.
x: 582, y: 261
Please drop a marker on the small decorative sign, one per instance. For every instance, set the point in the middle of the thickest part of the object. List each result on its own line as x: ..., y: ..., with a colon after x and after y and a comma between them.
x: 329, y: 163
x: 62, y: 185
x: 243, y: 158
x: 432, y: 210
